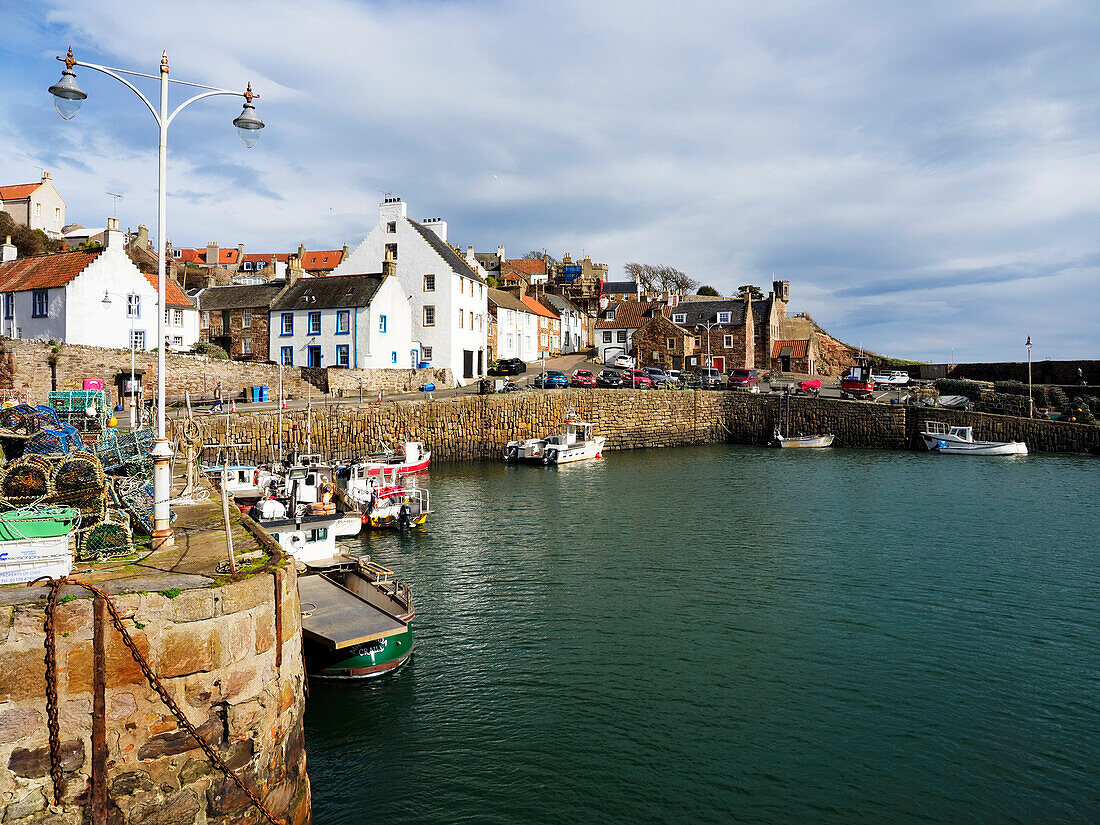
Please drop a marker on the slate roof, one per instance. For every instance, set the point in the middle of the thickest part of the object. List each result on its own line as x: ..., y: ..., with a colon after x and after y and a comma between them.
x: 506, y: 300
x: 699, y: 312
x: 628, y: 314
x: 535, y: 307
x: 624, y: 287
x: 329, y: 292
x: 798, y: 347
x: 446, y: 252
x: 257, y: 296
x: 17, y: 191
x: 44, y: 271
x: 560, y: 303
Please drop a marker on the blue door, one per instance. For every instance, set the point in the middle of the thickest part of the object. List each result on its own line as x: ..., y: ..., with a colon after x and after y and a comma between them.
x: 313, y: 356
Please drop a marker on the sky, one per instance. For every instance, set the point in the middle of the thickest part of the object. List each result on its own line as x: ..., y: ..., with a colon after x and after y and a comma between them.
x: 926, y: 175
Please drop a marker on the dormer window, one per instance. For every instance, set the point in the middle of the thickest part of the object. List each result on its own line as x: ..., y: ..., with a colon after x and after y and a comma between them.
x: 679, y: 318
x: 723, y: 317
x: 609, y: 315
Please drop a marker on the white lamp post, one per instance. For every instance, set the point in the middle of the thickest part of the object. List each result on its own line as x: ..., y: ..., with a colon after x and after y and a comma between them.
x: 1030, y: 397
x: 67, y: 99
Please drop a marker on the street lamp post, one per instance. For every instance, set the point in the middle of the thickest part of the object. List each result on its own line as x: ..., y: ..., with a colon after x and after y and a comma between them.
x: 67, y: 99
x: 707, y: 325
x: 1030, y: 397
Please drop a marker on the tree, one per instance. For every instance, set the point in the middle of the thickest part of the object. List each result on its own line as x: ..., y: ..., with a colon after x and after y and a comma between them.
x: 657, y: 277
x: 750, y: 289
x: 27, y: 241
x: 709, y: 291
x: 535, y: 255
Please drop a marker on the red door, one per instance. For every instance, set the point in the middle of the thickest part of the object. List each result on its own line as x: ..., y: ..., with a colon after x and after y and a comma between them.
x: 719, y: 363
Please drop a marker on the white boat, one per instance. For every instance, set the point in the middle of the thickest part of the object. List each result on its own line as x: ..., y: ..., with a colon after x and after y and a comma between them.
x: 895, y: 378
x: 942, y: 438
x: 575, y: 442
x: 409, y: 457
x: 382, y: 501
x: 802, y: 440
x: 246, y: 482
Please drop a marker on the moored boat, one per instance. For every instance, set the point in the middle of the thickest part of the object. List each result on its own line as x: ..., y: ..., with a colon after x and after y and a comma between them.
x: 384, y: 502
x: 857, y: 383
x: 942, y: 438
x: 575, y: 442
x: 892, y: 378
x: 802, y: 440
x: 409, y: 457
x: 246, y: 482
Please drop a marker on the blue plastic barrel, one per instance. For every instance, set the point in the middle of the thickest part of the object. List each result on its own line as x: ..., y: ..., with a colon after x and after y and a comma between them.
x: 263, y: 392
x: 255, y: 394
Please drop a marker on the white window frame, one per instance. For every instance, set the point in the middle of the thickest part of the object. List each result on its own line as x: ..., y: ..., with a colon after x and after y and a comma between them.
x: 679, y: 318
x: 246, y: 346
x: 425, y: 353
x: 429, y: 315
x: 727, y: 341
x: 246, y: 318
x: 133, y: 305
x: 204, y: 319
x: 723, y: 317
x: 136, y: 336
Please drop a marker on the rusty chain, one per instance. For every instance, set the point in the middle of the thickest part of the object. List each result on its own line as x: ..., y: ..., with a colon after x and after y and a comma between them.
x: 154, y: 683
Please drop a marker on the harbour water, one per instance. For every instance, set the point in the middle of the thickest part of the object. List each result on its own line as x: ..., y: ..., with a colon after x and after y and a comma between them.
x: 727, y: 634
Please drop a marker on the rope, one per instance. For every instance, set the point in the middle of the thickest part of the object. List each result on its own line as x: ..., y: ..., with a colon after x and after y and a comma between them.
x: 51, y: 694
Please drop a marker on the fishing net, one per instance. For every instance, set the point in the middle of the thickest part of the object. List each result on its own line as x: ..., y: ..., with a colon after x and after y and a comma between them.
x: 25, y: 481
x: 110, y: 537
x: 61, y: 441
x: 136, y: 496
x: 23, y: 419
x: 126, y: 453
x: 78, y: 400
x: 78, y: 481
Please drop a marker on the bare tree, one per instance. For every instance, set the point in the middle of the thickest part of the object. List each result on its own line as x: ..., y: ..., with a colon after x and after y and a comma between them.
x: 658, y: 277
x: 536, y: 255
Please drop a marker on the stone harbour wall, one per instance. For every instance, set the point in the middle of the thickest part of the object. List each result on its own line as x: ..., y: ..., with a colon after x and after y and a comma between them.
x: 218, y: 653
x: 477, y: 427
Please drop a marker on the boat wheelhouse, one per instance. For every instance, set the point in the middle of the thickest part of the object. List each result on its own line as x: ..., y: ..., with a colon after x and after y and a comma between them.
x: 575, y: 442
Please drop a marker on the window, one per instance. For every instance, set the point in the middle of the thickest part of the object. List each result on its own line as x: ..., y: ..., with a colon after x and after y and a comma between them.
x: 288, y: 324
x: 40, y: 306
x: 479, y: 322
x: 696, y: 341
x: 246, y: 346
x: 177, y: 341
x: 57, y: 214
x: 607, y: 337
x: 393, y: 357
x: 426, y: 353
x: 622, y: 336
x: 461, y: 323
x: 246, y: 318
x: 672, y: 343
x: 429, y: 283
x: 392, y: 249
x: 177, y: 253
x: 205, y: 319
x: 462, y: 286
x: 38, y: 210
x: 9, y: 305
x: 609, y: 315
x: 133, y: 305
x: 343, y: 322
x: 429, y: 316
x: 177, y: 317
x: 225, y: 321
x: 343, y: 358
x: 480, y: 290
x: 679, y: 318
x: 313, y: 325
x: 137, y: 339
x: 287, y: 356
x: 391, y: 227
x: 723, y: 317
x: 727, y: 341
x: 543, y: 341
x: 381, y: 323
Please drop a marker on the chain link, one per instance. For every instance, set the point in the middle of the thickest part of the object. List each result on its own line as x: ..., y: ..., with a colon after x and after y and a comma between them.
x: 154, y: 683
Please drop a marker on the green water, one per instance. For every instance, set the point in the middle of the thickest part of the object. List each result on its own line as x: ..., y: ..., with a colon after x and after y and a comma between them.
x: 728, y: 634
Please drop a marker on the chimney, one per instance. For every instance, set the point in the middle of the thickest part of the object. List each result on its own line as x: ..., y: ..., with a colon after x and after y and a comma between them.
x: 301, y: 253
x: 240, y: 253
x: 212, y: 253
x: 500, y: 253
x: 438, y: 226
x: 45, y: 176
x: 143, y: 237
x: 389, y: 266
x: 391, y: 210
x: 112, y: 237
x: 344, y: 253
x: 208, y: 279
x: 8, y: 252
x: 293, y: 270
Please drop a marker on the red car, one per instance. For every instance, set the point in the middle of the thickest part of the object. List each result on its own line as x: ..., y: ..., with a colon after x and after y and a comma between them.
x: 583, y: 378
x: 744, y: 380
x: 637, y: 379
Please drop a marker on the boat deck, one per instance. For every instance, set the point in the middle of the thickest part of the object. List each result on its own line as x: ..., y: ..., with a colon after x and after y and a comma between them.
x: 338, y: 618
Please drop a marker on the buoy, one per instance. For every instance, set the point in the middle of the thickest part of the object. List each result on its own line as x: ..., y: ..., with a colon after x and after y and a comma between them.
x: 112, y: 422
x: 91, y: 411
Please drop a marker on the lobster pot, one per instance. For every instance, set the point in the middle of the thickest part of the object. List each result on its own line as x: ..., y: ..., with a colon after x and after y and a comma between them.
x: 110, y: 537
x: 61, y: 441
x: 137, y: 497
x: 115, y: 450
x: 78, y: 481
x: 25, y: 481
x: 23, y: 419
x: 78, y: 400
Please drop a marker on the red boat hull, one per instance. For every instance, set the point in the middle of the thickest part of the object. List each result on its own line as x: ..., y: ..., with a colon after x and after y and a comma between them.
x: 400, y: 469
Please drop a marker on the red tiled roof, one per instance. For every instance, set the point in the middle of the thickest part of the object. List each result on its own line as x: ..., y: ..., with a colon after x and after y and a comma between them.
x: 528, y: 266
x: 176, y: 296
x: 17, y: 191
x: 536, y: 307
x: 198, y: 256
x: 322, y: 260
x: 798, y: 347
x: 44, y: 271
x: 628, y: 315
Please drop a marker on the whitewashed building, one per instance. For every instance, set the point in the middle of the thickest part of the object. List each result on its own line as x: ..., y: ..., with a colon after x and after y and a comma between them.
x: 574, y: 323
x: 35, y: 205
x: 447, y: 297
x: 517, y: 327
x: 96, y: 298
x: 353, y: 321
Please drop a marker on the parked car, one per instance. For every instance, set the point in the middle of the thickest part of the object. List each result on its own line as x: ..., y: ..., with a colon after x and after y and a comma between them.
x: 583, y: 378
x: 674, y: 376
x: 709, y: 378
x: 549, y: 379
x: 624, y: 361
x: 744, y: 380
x: 637, y: 379
x: 508, y: 366
x: 609, y: 378
x: 657, y: 376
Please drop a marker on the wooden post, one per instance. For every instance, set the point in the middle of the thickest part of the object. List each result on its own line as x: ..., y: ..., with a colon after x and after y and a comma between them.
x: 99, y: 712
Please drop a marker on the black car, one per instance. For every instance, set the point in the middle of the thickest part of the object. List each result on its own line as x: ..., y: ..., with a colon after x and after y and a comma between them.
x: 508, y: 366
x: 609, y: 378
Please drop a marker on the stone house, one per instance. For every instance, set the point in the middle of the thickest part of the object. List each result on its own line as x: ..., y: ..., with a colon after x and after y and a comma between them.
x: 620, y: 291
x: 722, y: 330
x: 236, y: 318
x: 35, y: 205
x: 801, y: 355
x: 352, y: 321
x: 96, y: 297
x: 616, y: 325
x: 447, y: 296
x: 521, y: 272
x: 516, y: 327
x: 661, y: 343
x: 549, y: 326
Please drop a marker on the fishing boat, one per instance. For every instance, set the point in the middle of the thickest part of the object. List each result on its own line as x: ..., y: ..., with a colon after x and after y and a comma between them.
x: 409, y: 457
x: 857, y: 383
x: 307, y: 487
x: 575, y: 442
x: 384, y: 502
x: 35, y: 541
x: 245, y: 482
x: 942, y: 438
x: 893, y: 378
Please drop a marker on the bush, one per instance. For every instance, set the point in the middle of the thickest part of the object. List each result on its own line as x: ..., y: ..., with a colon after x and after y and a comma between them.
x: 211, y: 351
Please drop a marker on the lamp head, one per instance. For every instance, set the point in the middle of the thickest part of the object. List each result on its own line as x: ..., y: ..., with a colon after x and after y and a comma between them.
x: 106, y: 298
x: 67, y: 93
x: 1028, y: 344
x: 248, y: 125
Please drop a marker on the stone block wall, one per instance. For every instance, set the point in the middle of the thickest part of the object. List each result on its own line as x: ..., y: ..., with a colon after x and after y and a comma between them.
x: 217, y: 652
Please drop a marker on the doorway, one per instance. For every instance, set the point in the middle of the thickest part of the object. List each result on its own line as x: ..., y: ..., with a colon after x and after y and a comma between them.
x: 313, y: 356
x: 467, y: 363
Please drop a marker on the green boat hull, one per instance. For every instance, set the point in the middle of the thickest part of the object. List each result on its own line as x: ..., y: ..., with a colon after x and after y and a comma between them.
x: 364, y: 661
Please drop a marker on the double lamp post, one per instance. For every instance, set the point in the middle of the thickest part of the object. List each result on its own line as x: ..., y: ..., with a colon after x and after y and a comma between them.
x: 67, y: 99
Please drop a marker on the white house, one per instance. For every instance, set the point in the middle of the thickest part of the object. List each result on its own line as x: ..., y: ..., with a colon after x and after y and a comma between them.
x: 574, y: 323
x: 517, y: 327
x: 92, y: 297
x: 354, y: 321
x: 447, y: 297
x: 35, y: 205
x: 616, y: 325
